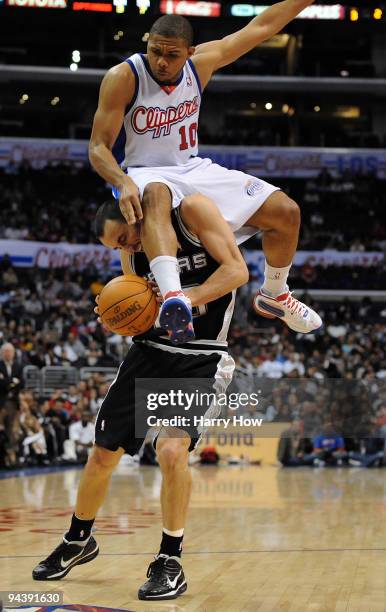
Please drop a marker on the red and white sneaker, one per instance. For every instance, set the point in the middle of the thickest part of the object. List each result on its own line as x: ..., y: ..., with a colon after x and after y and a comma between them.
x: 298, y: 316
x: 176, y: 317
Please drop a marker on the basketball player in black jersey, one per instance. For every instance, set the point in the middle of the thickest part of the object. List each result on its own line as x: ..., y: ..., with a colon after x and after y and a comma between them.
x: 212, y: 266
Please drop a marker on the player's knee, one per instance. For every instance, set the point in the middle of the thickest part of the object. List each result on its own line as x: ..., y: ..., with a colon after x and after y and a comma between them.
x: 103, y: 460
x: 192, y: 201
x: 172, y: 454
x: 156, y: 200
x: 290, y: 213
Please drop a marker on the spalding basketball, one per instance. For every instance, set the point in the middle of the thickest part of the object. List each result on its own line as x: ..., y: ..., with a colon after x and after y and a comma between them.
x: 127, y: 305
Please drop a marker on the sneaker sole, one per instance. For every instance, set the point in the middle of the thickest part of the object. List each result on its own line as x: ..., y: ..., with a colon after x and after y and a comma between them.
x: 265, y: 314
x: 172, y: 595
x: 175, y: 319
x: 59, y: 575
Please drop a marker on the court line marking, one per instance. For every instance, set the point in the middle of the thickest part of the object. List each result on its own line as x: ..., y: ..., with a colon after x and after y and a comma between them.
x: 219, y: 552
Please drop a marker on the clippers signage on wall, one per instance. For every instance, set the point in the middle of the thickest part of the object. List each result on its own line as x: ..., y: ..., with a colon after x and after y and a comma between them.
x: 29, y: 254
x: 192, y: 8
x: 315, y: 11
x: 50, y: 4
x: 270, y: 162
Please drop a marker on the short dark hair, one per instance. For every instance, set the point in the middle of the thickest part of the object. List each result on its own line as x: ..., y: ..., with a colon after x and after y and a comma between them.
x: 173, y: 26
x: 109, y: 210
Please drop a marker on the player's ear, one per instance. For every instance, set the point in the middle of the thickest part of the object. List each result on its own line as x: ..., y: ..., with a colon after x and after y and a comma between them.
x: 191, y: 51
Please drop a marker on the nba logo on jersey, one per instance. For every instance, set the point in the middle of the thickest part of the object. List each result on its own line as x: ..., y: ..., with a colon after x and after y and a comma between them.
x: 253, y: 186
x: 188, y: 81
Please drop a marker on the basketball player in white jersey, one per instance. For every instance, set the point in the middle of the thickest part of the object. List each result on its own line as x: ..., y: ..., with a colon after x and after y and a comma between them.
x: 144, y: 142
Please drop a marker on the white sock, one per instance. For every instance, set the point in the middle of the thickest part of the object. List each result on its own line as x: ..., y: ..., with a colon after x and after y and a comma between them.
x: 275, y: 280
x: 167, y: 273
x: 176, y: 534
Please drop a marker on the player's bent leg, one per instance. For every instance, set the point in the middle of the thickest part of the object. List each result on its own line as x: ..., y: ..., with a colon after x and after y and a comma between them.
x: 157, y: 234
x: 78, y: 546
x: 279, y: 220
x: 166, y: 579
x: 159, y: 242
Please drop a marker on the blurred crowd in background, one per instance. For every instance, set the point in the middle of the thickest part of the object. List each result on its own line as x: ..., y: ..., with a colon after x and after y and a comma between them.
x: 47, y: 319
x: 344, y: 214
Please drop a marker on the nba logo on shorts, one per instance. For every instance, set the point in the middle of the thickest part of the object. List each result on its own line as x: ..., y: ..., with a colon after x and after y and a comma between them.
x: 253, y: 186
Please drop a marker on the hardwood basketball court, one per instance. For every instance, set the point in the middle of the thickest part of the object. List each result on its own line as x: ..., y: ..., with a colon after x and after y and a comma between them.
x: 257, y: 539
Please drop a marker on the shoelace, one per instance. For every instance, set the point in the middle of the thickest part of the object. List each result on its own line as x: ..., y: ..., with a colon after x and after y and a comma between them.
x: 294, y: 305
x: 54, y: 555
x: 155, y: 570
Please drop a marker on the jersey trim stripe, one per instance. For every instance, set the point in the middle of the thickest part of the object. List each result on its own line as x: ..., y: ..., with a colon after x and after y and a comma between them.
x: 160, y: 83
x: 119, y: 146
x: 193, y: 68
x: 118, y: 151
x: 185, y: 351
x: 227, y: 319
x: 191, y: 237
x: 136, y: 76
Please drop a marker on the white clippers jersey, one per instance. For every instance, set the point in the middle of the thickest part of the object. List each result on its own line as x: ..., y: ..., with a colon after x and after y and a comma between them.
x: 160, y: 124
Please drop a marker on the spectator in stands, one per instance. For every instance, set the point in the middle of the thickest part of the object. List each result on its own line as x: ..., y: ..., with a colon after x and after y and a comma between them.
x: 11, y: 372
x: 294, y: 449
x: 54, y: 423
x: 329, y: 447
x: 9, y: 279
x: 294, y: 362
x: 371, y: 452
x: 81, y: 438
x: 3, y: 438
x: 34, y: 306
x: 34, y: 442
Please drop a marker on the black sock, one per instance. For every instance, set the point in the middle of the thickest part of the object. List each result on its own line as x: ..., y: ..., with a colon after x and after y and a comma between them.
x: 79, y: 530
x: 171, y: 545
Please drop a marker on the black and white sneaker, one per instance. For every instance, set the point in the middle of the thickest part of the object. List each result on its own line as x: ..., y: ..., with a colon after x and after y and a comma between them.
x: 166, y: 579
x: 64, y: 558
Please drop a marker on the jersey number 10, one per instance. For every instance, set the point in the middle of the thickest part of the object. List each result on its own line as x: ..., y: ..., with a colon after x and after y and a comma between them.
x: 192, y: 131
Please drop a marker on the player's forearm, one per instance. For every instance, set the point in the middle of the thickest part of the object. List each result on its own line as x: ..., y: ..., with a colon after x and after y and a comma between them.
x: 103, y: 161
x: 274, y: 18
x: 224, y: 280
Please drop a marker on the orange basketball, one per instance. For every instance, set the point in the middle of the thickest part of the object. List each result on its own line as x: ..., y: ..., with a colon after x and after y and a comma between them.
x: 127, y: 305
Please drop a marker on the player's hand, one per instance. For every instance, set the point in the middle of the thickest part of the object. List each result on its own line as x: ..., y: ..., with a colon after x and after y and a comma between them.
x: 96, y: 309
x: 155, y: 289
x: 129, y: 202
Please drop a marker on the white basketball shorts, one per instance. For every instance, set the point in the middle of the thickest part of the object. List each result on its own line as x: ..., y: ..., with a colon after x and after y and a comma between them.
x: 237, y: 195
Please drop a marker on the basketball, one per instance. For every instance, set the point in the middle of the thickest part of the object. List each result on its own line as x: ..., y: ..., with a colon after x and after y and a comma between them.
x: 127, y: 305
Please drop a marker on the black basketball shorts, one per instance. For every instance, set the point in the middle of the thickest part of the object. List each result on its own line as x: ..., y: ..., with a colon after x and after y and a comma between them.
x: 115, y: 423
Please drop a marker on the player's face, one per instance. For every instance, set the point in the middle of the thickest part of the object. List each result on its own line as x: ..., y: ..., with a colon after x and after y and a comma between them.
x: 167, y: 57
x: 122, y: 236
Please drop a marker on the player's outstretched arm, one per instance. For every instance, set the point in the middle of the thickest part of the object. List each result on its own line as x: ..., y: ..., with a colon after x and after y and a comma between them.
x: 203, y: 219
x: 115, y: 94
x: 215, y: 54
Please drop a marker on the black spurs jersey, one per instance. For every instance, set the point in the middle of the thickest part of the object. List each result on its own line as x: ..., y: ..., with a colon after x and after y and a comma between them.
x: 211, y: 321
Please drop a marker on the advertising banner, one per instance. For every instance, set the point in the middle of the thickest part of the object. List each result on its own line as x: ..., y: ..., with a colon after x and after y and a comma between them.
x: 273, y: 162
x: 26, y: 253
